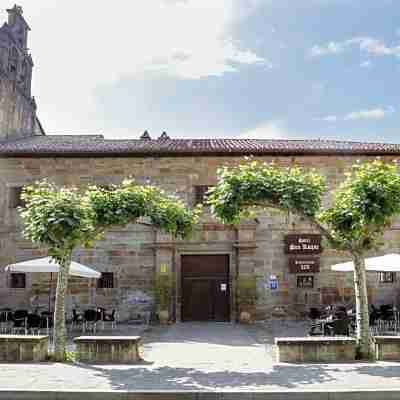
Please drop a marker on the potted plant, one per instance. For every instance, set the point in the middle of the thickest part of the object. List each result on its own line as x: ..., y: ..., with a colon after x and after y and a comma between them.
x: 246, y: 297
x: 163, y: 288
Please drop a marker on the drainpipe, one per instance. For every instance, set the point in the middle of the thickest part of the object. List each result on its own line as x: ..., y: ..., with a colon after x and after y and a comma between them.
x: 236, y: 274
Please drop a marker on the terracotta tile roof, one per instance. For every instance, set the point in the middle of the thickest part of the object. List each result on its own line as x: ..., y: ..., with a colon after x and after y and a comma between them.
x: 97, y: 146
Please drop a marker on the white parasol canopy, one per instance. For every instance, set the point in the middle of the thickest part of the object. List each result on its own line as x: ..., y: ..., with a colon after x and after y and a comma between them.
x: 47, y: 264
x: 386, y: 263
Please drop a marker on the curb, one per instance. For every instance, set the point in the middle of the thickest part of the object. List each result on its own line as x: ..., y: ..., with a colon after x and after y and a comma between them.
x: 390, y: 394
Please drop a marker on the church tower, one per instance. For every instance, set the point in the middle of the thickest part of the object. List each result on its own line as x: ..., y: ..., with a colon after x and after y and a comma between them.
x: 17, y: 106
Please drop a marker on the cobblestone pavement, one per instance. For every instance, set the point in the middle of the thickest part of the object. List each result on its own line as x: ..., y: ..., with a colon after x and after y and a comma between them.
x: 206, y: 356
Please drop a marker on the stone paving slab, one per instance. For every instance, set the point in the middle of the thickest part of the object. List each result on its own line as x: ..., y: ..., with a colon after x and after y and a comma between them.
x: 125, y: 395
x: 209, y: 358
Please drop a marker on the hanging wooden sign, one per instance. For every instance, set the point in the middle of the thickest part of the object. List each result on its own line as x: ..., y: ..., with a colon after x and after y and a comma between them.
x: 306, y: 243
x: 303, y: 264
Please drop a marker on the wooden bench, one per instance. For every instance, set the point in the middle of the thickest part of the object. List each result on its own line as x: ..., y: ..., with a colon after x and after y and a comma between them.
x: 315, y: 349
x: 115, y: 349
x: 23, y: 348
x: 387, y: 348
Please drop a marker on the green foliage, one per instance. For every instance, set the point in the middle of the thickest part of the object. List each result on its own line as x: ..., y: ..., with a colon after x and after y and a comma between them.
x: 56, y: 218
x: 70, y: 356
x: 255, y: 184
x: 163, y: 287
x: 120, y: 205
x: 64, y: 218
x: 364, y: 205
x: 247, y: 290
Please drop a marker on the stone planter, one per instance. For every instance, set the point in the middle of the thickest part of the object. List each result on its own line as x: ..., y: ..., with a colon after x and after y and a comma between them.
x: 23, y: 348
x: 315, y: 349
x: 114, y: 349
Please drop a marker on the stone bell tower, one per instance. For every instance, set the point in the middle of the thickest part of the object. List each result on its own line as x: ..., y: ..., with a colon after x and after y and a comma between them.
x: 17, y: 106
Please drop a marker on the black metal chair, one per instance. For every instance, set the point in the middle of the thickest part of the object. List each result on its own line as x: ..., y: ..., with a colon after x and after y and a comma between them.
x: 77, y: 319
x: 34, y: 323
x: 109, y: 317
x: 387, y: 313
x: 90, y: 319
x: 314, y: 313
x: 338, y: 327
x: 20, y: 321
x: 6, y: 319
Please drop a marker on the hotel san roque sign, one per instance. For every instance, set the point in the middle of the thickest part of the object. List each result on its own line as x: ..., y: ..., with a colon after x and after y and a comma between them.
x: 307, y: 243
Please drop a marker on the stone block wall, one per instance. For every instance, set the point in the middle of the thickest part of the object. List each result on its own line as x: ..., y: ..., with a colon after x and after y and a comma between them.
x: 135, y: 252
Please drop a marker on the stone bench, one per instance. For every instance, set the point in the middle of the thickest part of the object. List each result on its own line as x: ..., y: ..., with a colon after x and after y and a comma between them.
x: 315, y: 349
x: 114, y: 349
x: 23, y: 348
x: 387, y: 348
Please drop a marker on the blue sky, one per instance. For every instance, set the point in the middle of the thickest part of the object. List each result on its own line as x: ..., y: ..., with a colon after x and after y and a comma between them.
x: 218, y: 68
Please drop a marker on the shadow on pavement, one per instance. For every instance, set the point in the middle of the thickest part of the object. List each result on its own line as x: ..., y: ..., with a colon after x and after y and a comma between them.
x: 166, y: 378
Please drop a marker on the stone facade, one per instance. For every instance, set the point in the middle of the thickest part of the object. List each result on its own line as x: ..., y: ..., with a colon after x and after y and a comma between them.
x: 17, y: 107
x: 135, y: 252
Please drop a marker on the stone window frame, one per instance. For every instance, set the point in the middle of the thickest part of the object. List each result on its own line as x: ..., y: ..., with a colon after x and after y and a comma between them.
x: 200, y: 193
x: 301, y: 281
x: 106, y: 280
x: 387, y: 277
x: 14, y: 196
x: 13, y: 280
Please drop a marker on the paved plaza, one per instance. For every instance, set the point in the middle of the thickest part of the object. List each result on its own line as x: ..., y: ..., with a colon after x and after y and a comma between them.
x: 206, y: 357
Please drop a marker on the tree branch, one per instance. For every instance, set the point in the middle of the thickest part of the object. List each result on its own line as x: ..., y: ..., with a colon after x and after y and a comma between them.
x: 313, y: 221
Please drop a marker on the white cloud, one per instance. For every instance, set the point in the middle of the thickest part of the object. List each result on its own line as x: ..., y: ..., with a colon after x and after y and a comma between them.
x: 375, y: 113
x: 330, y: 118
x: 329, y: 48
x: 368, y: 45
x: 366, y: 64
x: 268, y: 130
x: 372, y: 114
x: 78, y: 46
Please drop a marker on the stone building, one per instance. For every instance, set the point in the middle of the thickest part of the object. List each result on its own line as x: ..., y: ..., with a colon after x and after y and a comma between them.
x: 292, y: 272
x: 17, y: 107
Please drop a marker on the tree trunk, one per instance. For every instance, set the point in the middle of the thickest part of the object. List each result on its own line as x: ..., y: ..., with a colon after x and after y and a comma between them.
x: 60, y: 336
x: 360, y: 287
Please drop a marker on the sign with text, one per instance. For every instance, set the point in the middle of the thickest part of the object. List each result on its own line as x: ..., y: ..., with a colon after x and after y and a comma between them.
x: 299, y: 264
x: 306, y: 243
x: 273, y: 282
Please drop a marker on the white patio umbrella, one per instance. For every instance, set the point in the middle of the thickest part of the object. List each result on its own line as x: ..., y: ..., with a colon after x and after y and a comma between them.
x: 47, y: 264
x: 386, y: 263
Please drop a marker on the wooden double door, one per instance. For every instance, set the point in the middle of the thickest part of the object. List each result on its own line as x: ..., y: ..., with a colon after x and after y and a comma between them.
x: 205, y: 288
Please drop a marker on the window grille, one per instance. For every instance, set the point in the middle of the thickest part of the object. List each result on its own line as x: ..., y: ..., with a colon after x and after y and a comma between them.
x: 200, y: 193
x: 387, y: 277
x: 106, y: 281
x: 305, y: 282
x: 18, y: 281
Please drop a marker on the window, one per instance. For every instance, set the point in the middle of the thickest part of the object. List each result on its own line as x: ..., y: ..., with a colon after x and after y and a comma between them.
x: 305, y: 282
x: 15, y: 197
x: 106, y: 281
x: 18, y: 281
x: 200, y: 193
x: 387, y: 277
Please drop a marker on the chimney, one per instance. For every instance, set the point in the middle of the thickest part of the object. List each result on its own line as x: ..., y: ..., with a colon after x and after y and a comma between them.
x: 164, y: 136
x: 145, y: 136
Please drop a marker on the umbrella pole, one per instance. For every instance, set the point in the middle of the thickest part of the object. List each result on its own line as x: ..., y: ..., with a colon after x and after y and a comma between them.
x: 51, y: 284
